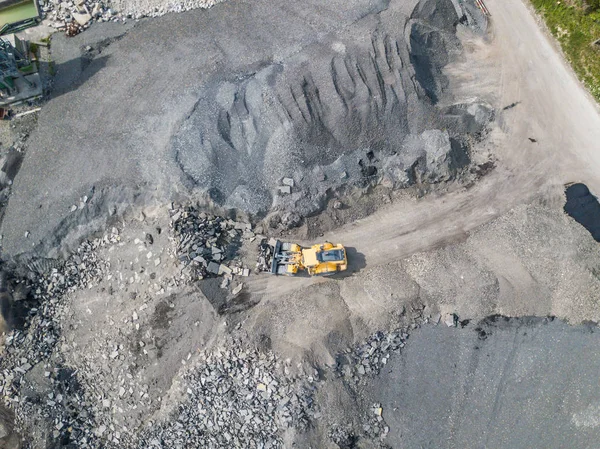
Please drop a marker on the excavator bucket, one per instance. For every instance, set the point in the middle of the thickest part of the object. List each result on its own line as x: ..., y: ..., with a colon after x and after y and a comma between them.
x: 276, y: 252
x: 287, y: 258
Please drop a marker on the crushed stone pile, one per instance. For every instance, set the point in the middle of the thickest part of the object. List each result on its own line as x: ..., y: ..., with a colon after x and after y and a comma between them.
x: 345, y: 114
x: 34, y: 381
x: 233, y: 396
x: 368, y: 358
x: 236, y: 397
x: 73, y: 17
x: 299, y: 119
x: 206, y: 244
x: 265, y: 255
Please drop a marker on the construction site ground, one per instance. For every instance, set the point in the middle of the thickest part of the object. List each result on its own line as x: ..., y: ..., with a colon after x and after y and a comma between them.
x: 497, y: 246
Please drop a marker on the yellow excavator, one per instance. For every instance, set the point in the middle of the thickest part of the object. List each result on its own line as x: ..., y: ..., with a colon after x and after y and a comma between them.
x: 317, y: 260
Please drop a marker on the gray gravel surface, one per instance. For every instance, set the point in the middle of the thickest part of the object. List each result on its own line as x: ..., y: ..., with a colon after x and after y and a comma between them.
x: 227, y: 101
x: 512, y: 383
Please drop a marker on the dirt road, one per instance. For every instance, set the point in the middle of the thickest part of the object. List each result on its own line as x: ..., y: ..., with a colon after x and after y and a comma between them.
x: 522, y: 66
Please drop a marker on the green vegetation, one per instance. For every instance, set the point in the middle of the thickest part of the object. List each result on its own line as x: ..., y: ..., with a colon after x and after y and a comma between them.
x: 34, y: 48
x: 28, y: 69
x: 576, y: 25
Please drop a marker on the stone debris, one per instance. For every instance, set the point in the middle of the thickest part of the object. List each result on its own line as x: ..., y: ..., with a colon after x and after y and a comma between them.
x: 265, y: 255
x: 451, y: 320
x: 369, y: 357
x: 237, y: 289
x: 75, y: 16
x: 206, y: 244
x: 31, y: 349
x: 375, y: 427
x: 237, y: 397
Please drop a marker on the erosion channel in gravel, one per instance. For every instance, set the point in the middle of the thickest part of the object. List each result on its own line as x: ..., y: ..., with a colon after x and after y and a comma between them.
x: 267, y: 115
x: 362, y: 106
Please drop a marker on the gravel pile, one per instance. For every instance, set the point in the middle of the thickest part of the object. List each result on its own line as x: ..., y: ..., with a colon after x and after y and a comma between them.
x: 138, y: 9
x: 236, y: 398
x: 373, y: 428
x: 206, y: 245
x: 75, y: 16
x: 370, y: 356
x: 33, y: 380
x: 265, y: 255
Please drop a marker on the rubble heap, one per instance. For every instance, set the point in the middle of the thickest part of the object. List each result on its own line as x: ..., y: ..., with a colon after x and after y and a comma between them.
x: 75, y: 16
x: 370, y: 356
x: 206, y: 245
x: 265, y: 255
x: 236, y: 398
x: 29, y: 354
x: 373, y: 428
x: 49, y: 281
x: 155, y: 8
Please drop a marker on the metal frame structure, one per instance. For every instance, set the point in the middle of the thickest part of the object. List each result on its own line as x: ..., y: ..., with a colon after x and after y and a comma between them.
x: 11, y: 60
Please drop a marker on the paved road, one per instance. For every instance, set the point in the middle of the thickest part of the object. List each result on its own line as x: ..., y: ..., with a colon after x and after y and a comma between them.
x: 525, y: 386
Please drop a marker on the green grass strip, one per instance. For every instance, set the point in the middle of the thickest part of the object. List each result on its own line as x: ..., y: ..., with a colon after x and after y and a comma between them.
x: 576, y: 26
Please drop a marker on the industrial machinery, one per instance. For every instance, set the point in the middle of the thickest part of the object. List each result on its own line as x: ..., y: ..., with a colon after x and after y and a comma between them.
x: 317, y: 260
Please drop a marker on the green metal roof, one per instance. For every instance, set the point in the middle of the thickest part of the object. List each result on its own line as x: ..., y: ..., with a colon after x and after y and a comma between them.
x: 18, y: 16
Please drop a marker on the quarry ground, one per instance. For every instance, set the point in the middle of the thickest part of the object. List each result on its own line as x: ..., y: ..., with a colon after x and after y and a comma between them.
x: 498, y: 245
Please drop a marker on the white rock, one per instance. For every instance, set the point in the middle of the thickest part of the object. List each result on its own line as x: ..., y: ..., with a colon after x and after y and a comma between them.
x: 224, y: 269
x: 81, y: 19
x: 449, y: 320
